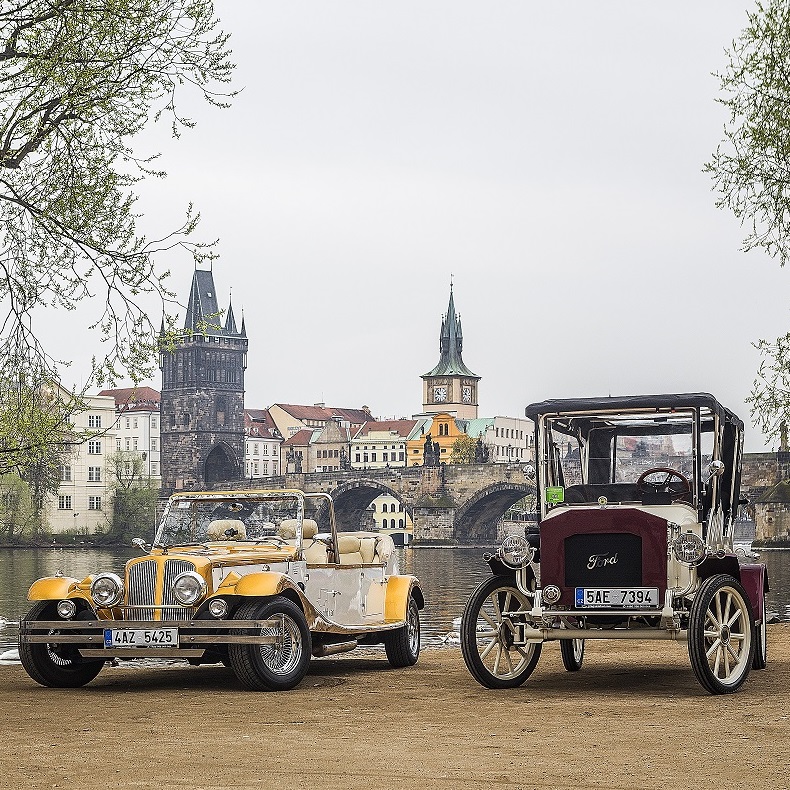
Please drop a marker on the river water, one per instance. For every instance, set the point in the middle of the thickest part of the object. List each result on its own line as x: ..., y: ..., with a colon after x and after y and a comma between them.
x: 447, y: 575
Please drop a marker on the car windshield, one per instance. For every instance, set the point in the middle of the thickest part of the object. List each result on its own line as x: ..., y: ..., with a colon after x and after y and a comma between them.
x: 199, y: 520
x: 590, y: 456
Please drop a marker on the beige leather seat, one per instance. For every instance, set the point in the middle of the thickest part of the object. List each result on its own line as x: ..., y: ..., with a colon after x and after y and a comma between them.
x: 364, y: 548
x: 216, y: 529
x: 313, y: 551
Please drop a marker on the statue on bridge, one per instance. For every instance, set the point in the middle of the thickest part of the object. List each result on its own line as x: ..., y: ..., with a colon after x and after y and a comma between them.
x: 430, y: 452
x: 481, y: 452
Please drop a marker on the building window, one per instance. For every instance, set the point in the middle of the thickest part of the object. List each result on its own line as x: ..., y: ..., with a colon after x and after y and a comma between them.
x: 154, y: 468
x: 94, y: 447
x: 265, y: 467
x: 153, y: 422
x: 64, y: 503
x: 65, y: 473
x: 134, y: 443
x: 255, y: 449
x: 127, y: 442
x: 255, y: 469
x: 401, y: 456
x: 94, y: 474
x: 94, y: 503
x: 94, y: 421
x: 154, y: 443
x: 118, y: 443
x: 265, y: 449
x: 385, y: 457
x: 356, y: 456
x: 127, y: 422
x: 373, y: 457
x: 134, y: 422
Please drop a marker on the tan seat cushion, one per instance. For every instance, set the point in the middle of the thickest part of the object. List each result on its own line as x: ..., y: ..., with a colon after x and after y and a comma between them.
x: 347, y: 544
x: 216, y: 529
x: 352, y: 558
x: 314, y: 552
x: 367, y: 548
x: 287, y: 529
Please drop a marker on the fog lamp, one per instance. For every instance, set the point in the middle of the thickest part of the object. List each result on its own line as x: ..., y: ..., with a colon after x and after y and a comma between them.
x: 551, y: 593
x: 515, y: 551
x: 689, y: 548
x: 218, y: 607
x: 189, y: 587
x: 107, y: 589
x: 66, y: 609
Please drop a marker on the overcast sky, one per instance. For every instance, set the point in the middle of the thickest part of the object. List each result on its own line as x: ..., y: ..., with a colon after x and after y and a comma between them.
x: 547, y: 155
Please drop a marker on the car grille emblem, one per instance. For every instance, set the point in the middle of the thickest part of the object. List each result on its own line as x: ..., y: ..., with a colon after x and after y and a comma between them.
x: 601, y: 561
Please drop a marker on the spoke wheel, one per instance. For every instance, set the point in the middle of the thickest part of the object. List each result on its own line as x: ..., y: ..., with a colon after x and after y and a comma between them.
x: 272, y: 667
x: 488, y: 635
x: 403, y: 645
x: 52, y: 664
x: 721, y: 634
x: 572, y: 651
x: 761, y: 642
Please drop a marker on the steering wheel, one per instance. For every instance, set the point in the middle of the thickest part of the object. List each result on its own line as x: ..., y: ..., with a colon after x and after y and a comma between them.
x: 643, y: 485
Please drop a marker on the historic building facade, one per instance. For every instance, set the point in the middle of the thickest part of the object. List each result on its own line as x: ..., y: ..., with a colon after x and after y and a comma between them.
x: 202, y: 400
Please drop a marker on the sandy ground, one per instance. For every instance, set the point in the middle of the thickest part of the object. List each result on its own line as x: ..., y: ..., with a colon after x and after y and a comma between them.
x: 634, y: 717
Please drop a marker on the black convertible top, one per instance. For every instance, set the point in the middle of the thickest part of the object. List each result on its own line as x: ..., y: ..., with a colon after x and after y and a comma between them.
x: 633, y: 402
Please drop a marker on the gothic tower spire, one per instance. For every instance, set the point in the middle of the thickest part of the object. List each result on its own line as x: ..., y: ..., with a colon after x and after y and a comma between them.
x: 450, y: 386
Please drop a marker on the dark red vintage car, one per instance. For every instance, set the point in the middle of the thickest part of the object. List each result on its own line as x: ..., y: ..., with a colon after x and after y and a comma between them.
x: 636, y: 497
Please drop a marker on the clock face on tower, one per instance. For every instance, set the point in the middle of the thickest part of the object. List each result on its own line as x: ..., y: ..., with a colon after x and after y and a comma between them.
x: 440, y: 394
x: 466, y: 394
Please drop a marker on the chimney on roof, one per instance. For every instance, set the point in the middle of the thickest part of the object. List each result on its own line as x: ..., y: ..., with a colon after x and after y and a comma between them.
x: 320, y: 405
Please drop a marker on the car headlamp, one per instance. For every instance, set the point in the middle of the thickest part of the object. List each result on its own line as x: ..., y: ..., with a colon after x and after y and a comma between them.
x: 107, y: 589
x: 515, y: 551
x: 66, y: 608
x: 189, y: 588
x: 689, y: 548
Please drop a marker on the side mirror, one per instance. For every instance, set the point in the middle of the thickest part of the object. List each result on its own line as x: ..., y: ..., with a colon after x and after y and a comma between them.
x: 715, y: 469
x: 529, y: 472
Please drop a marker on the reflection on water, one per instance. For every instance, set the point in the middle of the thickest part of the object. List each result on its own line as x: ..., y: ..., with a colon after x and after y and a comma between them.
x: 448, y: 576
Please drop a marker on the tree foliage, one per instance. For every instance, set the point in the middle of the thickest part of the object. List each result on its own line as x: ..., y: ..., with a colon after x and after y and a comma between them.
x: 751, y: 166
x: 463, y: 451
x: 134, y: 497
x: 78, y: 81
x: 16, y: 511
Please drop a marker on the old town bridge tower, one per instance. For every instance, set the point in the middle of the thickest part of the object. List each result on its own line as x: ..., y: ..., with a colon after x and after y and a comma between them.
x: 202, y: 405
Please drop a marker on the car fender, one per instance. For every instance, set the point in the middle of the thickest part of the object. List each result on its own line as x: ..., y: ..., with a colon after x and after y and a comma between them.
x: 52, y: 588
x: 754, y: 578
x: 396, y: 601
x: 258, y: 585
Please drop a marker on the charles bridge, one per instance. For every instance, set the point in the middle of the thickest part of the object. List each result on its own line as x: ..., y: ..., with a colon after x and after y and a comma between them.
x: 454, y: 504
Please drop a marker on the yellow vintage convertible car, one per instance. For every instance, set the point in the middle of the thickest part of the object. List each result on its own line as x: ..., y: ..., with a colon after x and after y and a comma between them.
x: 258, y: 580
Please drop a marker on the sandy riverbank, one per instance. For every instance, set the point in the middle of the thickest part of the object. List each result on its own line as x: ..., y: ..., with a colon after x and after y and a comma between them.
x: 634, y: 717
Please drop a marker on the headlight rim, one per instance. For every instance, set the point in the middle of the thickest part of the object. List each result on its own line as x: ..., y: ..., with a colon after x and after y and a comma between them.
x: 116, y: 598
x: 201, y: 588
x: 689, y: 537
x: 513, y: 547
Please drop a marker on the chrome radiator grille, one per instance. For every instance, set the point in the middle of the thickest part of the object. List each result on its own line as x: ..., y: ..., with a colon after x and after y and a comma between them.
x: 141, y: 590
x: 174, y: 568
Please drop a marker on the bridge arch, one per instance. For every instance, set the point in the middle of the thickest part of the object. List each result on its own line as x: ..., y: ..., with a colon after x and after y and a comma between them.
x: 352, y: 498
x: 477, y: 519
